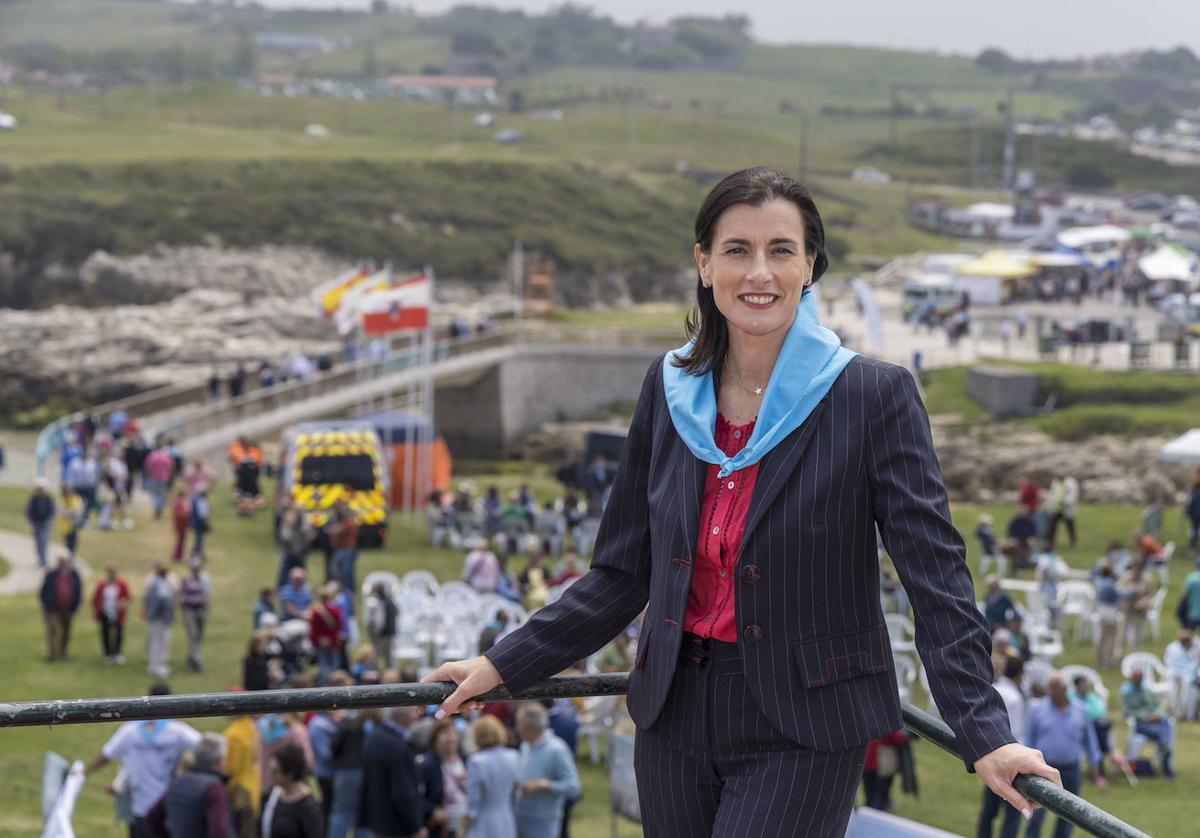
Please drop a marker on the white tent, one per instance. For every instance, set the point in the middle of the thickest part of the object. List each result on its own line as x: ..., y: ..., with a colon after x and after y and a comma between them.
x: 1100, y: 234
x: 1167, y: 263
x: 1184, y: 449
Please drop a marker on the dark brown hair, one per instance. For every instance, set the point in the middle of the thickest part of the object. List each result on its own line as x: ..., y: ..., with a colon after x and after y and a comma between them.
x: 756, y: 186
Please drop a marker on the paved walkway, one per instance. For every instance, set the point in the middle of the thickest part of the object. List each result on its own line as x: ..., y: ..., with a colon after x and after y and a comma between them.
x: 24, y: 576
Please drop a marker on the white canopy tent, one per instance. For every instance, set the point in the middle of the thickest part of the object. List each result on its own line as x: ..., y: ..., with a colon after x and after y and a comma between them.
x: 1169, y: 263
x: 1183, y: 449
x: 1079, y: 238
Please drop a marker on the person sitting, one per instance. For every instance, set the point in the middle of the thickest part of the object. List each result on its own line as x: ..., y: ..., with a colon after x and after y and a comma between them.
x: 1141, y: 705
x: 1085, y: 695
x: 998, y: 607
x: 1022, y: 534
x: 1184, y: 666
x: 1019, y: 639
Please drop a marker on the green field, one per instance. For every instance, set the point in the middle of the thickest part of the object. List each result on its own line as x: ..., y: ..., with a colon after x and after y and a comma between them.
x: 242, y: 559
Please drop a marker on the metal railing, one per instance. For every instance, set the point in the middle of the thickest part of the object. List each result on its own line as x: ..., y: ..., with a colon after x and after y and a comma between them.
x: 1078, y: 811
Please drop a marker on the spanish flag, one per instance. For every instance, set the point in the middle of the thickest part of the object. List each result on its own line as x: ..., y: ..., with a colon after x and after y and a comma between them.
x: 328, y: 295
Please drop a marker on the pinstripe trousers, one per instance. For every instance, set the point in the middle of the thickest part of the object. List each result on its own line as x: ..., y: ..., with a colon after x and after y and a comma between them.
x: 712, y: 764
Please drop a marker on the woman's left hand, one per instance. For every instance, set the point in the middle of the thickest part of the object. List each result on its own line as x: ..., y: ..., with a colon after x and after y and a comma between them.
x: 999, y: 768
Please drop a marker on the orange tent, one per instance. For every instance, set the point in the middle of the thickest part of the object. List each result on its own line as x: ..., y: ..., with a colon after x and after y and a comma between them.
x: 412, y: 449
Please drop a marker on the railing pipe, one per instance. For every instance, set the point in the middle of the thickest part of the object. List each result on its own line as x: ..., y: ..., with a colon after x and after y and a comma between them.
x: 1078, y: 811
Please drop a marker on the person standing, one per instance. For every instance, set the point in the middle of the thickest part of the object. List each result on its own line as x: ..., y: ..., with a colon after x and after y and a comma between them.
x: 200, y: 521
x: 321, y: 729
x: 60, y: 595
x: 1008, y: 685
x: 763, y: 431
x: 1192, y: 510
x: 1108, y: 615
x: 481, y: 568
x: 325, y: 626
x: 243, y: 765
x: 381, y: 617
x: 194, y: 593
x: 347, y: 749
x: 391, y: 802
x: 1191, y: 595
x: 295, y: 597
x: 195, y: 804
x: 83, y: 476
x: 546, y: 772
x: 158, y: 470
x: 181, y: 520
x: 39, y: 512
x: 295, y: 538
x: 343, y: 539
x: 198, y: 477
x: 70, y: 518
x: 1136, y: 591
x: 444, y: 777
x: 491, y: 782
x: 291, y: 810
x: 1062, y: 732
x: 158, y: 606
x: 110, y: 604
x: 148, y: 751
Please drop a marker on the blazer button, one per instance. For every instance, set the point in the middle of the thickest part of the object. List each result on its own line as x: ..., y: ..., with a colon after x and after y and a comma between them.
x: 751, y: 573
x: 752, y: 633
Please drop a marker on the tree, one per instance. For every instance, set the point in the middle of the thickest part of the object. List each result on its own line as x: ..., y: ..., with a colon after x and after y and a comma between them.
x: 997, y: 61
x: 1088, y: 176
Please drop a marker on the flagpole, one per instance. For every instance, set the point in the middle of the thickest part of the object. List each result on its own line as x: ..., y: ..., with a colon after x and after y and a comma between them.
x: 428, y: 383
x: 410, y: 465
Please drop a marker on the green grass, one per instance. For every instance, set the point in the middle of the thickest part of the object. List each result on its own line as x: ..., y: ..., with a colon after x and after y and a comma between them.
x: 242, y: 559
x: 5, y: 567
x: 1089, y: 402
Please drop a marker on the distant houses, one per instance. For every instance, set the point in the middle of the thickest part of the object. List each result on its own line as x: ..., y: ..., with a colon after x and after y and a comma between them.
x: 468, y: 90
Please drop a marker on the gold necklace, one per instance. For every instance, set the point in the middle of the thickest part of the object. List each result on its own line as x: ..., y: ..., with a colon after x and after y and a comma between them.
x: 756, y: 391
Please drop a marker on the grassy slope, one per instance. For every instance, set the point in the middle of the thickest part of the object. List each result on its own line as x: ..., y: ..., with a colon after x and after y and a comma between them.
x: 1089, y: 402
x: 242, y: 559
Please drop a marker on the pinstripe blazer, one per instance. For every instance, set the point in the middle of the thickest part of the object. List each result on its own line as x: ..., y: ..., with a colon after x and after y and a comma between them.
x: 813, y: 640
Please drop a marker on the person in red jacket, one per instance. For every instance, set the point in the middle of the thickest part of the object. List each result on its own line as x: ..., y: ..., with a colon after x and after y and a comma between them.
x: 1030, y: 495
x: 325, y: 625
x: 181, y: 516
x: 110, y: 603
x: 877, y: 773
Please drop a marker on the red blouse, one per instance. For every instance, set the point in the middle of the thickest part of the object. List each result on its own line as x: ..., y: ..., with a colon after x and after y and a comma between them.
x: 710, y: 608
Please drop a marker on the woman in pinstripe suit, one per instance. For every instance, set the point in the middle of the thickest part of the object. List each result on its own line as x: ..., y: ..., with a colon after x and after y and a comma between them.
x: 760, y: 461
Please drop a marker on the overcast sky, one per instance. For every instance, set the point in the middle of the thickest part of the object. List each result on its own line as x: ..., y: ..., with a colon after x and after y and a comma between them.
x: 1026, y: 28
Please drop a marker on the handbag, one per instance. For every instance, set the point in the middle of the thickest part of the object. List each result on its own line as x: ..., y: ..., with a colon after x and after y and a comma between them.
x: 889, y: 761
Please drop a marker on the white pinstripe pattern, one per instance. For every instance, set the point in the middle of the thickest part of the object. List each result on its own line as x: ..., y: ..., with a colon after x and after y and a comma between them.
x: 821, y: 672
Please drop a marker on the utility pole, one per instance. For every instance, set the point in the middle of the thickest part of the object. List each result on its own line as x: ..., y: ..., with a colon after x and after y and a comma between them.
x: 893, y: 130
x: 1010, y: 152
x: 973, y: 174
x: 519, y: 278
x: 631, y: 118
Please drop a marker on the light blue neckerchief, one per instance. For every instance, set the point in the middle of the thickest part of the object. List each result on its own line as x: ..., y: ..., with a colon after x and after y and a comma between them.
x: 809, y: 362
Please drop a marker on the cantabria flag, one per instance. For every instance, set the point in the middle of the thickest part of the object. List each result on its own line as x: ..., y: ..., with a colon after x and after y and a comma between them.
x: 328, y: 295
x: 403, y: 307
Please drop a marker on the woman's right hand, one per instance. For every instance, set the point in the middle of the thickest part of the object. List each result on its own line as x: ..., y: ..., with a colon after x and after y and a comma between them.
x: 474, y: 676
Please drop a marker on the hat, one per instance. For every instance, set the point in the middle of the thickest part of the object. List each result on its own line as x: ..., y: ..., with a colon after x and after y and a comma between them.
x: 984, y: 518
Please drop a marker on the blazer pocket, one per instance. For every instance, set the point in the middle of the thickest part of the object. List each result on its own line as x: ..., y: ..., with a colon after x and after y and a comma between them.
x: 837, y: 657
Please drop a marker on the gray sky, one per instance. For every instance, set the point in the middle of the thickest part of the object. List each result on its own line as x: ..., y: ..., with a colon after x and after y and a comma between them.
x: 1025, y: 28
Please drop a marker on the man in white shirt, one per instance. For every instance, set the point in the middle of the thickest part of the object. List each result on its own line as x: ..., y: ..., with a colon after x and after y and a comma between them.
x: 149, y: 752
x: 1184, y: 665
x: 1009, y: 687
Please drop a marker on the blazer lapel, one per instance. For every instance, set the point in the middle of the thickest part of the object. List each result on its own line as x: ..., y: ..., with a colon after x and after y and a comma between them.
x: 690, y: 475
x: 776, y: 467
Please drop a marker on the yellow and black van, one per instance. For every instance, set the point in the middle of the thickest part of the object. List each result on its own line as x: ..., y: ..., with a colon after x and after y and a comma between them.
x: 325, y: 462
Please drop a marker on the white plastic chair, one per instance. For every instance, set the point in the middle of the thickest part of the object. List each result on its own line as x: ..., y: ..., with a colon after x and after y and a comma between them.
x: 1137, y: 741
x: 420, y: 580
x: 1154, y: 672
x: 1077, y: 600
x: 923, y: 677
x: 902, y: 633
x: 391, y: 583
x: 906, y: 676
x: 598, y: 717
x: 458, y: 599
x: 1045, y: 643
x: 1154, y: 615
x: 1072, y: 671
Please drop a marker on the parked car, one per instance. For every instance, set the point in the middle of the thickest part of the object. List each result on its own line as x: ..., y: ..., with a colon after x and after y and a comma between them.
x: 8, y: 122
x: 509, y: 136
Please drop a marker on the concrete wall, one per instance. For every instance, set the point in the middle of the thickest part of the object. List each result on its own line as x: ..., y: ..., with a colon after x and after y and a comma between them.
x: 1004, y: 391
x: 487, y: 415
